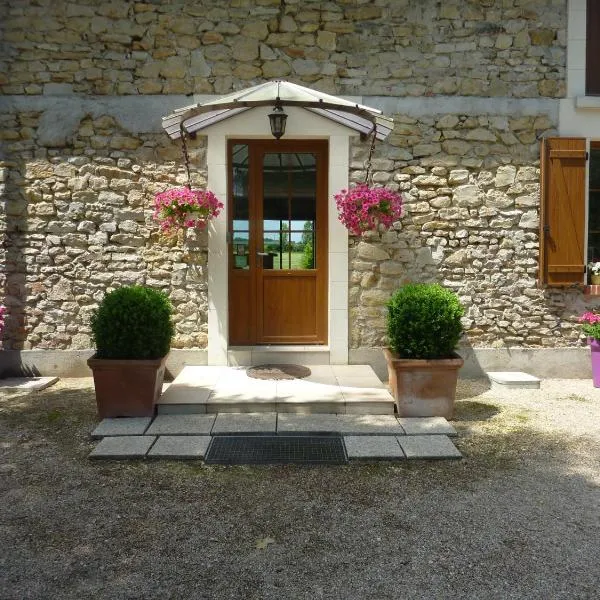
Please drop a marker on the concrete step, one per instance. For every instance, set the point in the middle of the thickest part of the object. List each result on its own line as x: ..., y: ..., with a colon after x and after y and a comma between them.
x: 366, y: 437
x: 300, y: 408
x: 338, y: 389
x: 260, y: 355
x: 270, y: 423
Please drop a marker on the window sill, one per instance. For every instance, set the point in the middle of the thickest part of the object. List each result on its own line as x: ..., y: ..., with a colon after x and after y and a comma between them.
x: 591, y: 290
x: 587, y: 102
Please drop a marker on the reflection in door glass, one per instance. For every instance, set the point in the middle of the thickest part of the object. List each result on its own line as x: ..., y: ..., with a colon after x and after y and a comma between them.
x: 240, y: 224
x: 289, y: 210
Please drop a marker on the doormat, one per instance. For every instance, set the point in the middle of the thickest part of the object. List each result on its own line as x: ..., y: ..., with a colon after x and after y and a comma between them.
x: 276, y: 449
x: 278, y: 372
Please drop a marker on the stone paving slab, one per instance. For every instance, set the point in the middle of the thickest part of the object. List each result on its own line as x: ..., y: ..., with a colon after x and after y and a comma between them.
x: 373, y: 447
x: 426, y: 426
x: 300, y: 390
x: 364, y: 394
x: 239, y: 407
x: 185, y: 393
x: 352, y: 370
x: 368, y: 407
x: 28, y: 384
x: 251, y: 391
x: 289, y: 424
x: 370, y: 424
x: 428, y: 446
x: 121, y: 426
x: 345, y: 424
x: 180, y: 409
x: 180, y: 446
x: 513, y: 380
x: 202, y: 376
x: 130, y: 446
x: 368, y: 381
x: 181, y: 425
x: 247, y: 423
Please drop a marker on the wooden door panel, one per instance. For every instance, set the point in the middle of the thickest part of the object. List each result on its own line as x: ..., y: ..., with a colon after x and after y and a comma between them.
x: 289, y: 309
x: 241, y: 318
x: 277, y: 259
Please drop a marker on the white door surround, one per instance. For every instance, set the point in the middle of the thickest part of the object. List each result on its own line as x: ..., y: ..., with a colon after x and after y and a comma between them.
x: 301, y: 124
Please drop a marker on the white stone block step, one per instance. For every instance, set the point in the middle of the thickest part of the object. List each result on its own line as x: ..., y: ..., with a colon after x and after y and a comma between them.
x: 340, y: 389
x: 513, y: 380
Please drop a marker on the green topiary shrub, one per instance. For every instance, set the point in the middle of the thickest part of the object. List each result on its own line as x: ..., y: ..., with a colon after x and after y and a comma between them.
x: 133, y: 322
x: 424, y: 321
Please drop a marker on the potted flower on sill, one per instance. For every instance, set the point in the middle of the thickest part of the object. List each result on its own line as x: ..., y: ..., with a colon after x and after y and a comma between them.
x: 184, y: 208
x: 132, y: 329
x: 594, y: 268
x: 591, y: 327
x: 423, y: 328
x: 364, y: 208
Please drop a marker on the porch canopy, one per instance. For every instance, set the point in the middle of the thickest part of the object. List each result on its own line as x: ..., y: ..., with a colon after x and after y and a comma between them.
x: 196, y: 117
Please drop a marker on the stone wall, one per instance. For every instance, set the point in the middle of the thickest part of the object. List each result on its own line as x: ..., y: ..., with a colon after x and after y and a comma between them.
x: 471, y: 191
x: 77, y: 186
x: 78, y: 222
x: 495, y: 48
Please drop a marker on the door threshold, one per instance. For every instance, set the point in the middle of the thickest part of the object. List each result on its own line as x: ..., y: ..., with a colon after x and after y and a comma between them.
x: 278, y: 348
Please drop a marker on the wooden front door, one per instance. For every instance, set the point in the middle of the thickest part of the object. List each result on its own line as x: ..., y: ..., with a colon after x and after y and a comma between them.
x: 277, y: 241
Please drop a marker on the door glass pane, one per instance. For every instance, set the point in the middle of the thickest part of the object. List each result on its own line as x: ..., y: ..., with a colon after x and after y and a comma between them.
x: 240, y: 224
x: 289, y: 209
x: 276, y: 250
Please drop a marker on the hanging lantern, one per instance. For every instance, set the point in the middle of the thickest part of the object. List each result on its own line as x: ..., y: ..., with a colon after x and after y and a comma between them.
x: 277, y: 120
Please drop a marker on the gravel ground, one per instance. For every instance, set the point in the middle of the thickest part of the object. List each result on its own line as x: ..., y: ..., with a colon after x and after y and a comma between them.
x: 519, y: 517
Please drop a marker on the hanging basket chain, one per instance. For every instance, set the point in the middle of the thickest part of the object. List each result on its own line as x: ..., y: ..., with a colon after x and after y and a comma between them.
x: 368, y: 163
x: 186, y: 157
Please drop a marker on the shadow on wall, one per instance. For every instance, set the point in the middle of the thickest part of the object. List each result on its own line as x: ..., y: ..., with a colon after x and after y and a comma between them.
x: 15, y: 234
x: 78, y: 223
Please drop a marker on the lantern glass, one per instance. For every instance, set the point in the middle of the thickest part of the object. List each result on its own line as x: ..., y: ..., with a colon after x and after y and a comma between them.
x: 277, y: 120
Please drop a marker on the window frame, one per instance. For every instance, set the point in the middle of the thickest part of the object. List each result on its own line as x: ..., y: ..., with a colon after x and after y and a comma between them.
x: 592, y: 48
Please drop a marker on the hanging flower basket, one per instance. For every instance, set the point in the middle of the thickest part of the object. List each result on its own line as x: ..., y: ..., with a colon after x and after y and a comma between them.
x: 184, y: 208
x: 364, y: 208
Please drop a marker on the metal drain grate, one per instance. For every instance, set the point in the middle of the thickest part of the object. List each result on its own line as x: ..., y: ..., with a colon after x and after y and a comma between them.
x: 274, y: 449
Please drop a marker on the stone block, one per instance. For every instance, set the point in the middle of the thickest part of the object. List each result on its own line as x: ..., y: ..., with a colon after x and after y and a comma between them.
x: 123, y: 426
x: 513, y: 380
x: 31, y: 384
x: 426, y: 426
x: 428, y: 446
x: 369, y: 407
x: 181, y: 425
x: 291, y: 424
x: 373, y: 447
x: 247, y: 423
x: 180, y: 409
x: 369, y: 424
x: 123, y: 447
x: 180, y: 446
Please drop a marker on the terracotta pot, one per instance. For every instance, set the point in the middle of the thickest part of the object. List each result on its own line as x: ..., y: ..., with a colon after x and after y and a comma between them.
x: 127, y: 388
x: 423, y: 388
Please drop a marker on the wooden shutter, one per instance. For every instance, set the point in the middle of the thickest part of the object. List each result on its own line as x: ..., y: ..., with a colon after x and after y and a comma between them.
x: 562, y: 214
x: 592, y: 49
